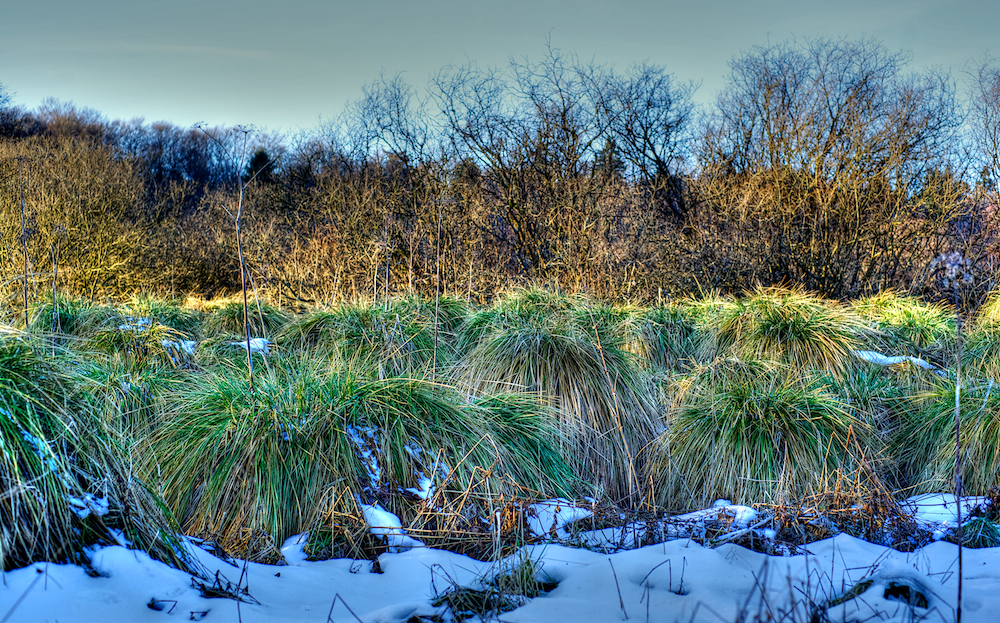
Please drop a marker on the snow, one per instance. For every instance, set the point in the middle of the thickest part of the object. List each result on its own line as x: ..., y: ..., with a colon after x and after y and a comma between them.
x: 688, y: 525
x: 83, y: 507
x: 135, y: 325
x: 366, y: 442
x: 884, y: 360
x: 257, y: 345
x: 552, y: 516
x: 939, y: 512
x: 387, y: 526
x: 678, y: 580
x: 425, y: 490
x: 186, y: 347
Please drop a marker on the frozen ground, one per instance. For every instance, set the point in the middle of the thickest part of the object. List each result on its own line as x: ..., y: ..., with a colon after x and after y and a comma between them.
x: 678, y: 580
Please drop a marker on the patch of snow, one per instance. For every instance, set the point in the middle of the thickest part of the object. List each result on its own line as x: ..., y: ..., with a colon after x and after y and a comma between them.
x: 671, y: 582
x: 294, y: 549
x: 638, y: 533
x: 552, y: 516
x: 425, y: 490
x: 257, y: 345
x: 186, y: 347
x: 387, y: 526
x: 88, y: 505
x: 884, y: 360
x: 365, y: 439
x: 939, y: 510
x: 135, y: 325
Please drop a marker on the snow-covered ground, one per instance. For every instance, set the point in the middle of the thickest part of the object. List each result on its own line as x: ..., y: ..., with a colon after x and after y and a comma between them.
x: 677, y: 580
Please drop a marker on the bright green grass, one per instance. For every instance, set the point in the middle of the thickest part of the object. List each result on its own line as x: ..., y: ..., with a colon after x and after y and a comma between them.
x: 186, y: 322
x: 235, y: 464
x: 925, y: 443
x: 788, y: 326
x: 225, y: 317
x: 70, y: 316
x: 57, y: 454
x: 906, y: 325
x: 669, y: 338
x: 395, y: 340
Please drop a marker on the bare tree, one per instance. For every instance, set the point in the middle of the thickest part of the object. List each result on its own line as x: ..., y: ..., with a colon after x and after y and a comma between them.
x: 649, y: 116
x: 984, y: 121
x: 824, y: 164
x: 535, y: 131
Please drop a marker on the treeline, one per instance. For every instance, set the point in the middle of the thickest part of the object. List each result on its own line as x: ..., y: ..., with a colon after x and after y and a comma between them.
x: 829, y: 164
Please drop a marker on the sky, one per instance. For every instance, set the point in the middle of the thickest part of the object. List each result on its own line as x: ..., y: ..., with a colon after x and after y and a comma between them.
x: 284, y: 66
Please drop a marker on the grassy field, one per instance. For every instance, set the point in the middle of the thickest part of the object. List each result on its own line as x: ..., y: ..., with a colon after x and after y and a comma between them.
x: 139, y: 418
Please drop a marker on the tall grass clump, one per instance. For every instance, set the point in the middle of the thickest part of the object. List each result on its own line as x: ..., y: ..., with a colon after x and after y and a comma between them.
x: 251, y: 468
x: 669, y: 338
x: 184, y: 320
x: 392, y: 340
x: 70, y: 316
x: 988, y: 313
x: 448, y: 311
x: 906, y: 325
x: 127, y: 396
x: 925, y: 444
x: 572, y: 356
x: 981, y: 353
x: 225, y: 318
x: 753, y: 432
x: 787, y: 326
x: 235, y: 465
x: 66, y: 481
x: 981, y: 342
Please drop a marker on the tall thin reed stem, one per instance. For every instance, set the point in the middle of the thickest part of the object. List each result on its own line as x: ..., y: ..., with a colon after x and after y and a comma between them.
x: 437, y: 294
x: 244, y: 271
x: 958, y: 454
x: 24, y: 242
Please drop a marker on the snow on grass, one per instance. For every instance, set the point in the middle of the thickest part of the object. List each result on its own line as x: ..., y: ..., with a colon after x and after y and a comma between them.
x: 939, y: 512
x: 365, y: 440
x: 635, y: 533
x: 884, y: 360
x: 257, y: 345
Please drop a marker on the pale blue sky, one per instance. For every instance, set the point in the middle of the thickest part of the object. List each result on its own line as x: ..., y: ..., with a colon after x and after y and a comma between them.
x: 281, y: 65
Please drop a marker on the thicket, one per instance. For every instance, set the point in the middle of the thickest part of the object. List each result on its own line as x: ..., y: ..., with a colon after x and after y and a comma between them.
x: 829, y: 164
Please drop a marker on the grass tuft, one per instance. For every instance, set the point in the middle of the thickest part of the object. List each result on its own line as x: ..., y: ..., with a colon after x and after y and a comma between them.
x: 572, y: 355
x: 312, y: 444
x: 752, y: 433
x: 926, y: 440
x: 66, y: 482
x: 787, y: 326
x: 225, y: 317
x: 906, y: 325
x: 396, y: 340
